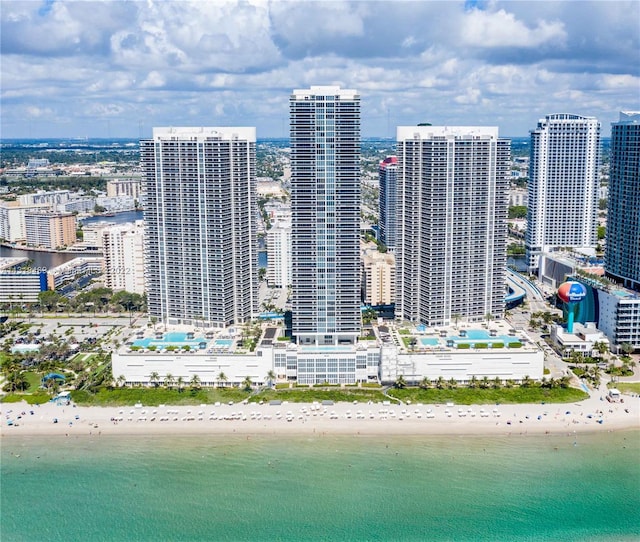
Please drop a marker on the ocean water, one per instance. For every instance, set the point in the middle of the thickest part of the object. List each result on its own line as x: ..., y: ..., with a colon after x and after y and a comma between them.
x: 266, y: 488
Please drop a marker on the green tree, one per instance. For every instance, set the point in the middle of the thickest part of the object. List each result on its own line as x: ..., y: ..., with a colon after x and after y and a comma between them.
x: 222, y: 380
x: 601, y: 347
x: 456, y: 318
x: 169, y: 380
x: 247, y: 384
x: 627, y: 348
x: 16, y: 381
x: 195, y: 382
x: 369, y: 315
x: 180, y: 383
x: 271, y: 376
x: 452, y: 383
x: 400, y: 383
x: 473, y: 383
x: 425, y: 383
x: 518, y: 211
x: 154, y: 379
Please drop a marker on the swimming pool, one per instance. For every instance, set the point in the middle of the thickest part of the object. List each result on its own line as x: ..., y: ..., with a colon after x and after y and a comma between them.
x: 174, y: 338
x: 223, y: 342
x: 21, y: 348
x: 426, y: 341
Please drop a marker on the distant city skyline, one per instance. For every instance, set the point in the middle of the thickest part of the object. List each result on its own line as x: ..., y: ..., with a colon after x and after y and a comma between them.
x: 116, y: 69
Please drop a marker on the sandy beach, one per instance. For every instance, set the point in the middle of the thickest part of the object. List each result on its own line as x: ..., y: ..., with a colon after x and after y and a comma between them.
x: 595, y: 414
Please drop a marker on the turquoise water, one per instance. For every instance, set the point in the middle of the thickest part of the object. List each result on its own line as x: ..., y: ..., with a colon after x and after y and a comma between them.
x: 545, y: 488
x: 429, y: 342
x: 223, y: 342
x: 175, y: 338
x: 25, y: 348
x: 477, y: 334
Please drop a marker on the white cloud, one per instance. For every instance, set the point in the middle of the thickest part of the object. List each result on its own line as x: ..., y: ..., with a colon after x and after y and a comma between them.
x: 502, y: 29
x: 81, y: 64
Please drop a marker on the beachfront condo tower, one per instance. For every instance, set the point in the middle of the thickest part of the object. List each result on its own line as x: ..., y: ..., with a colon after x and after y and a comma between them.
x: 325, y: 207
x: 452, y: 211
x: 388, y: 178
x: 623, y: 214
x: 563, y: 186
x: 200, y: 218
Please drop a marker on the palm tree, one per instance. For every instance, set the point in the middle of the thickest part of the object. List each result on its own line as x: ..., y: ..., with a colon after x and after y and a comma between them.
x: 488, y: 317
x: 271, y: 376
x: 180, y: 383
x: 526, y: 381
x: 168, y: 380
x: 195, y: 382
x: 626, y: 348
x: 17, y: 381
x: 497, y: 383
x: 473, y: 383
x: 425, y: 383
x: 484, y: 383
x: 440, y: 383
x: 222, y: 379
x: 600, y: 347
x: 452, y: 384
x: 154, y: 379
x: 400, y: 382
x: 247, y: 384
x: 456, y: 318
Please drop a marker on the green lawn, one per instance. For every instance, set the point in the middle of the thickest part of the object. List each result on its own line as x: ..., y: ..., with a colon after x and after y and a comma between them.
x: 313, y: 394
x: 157, y: 396
x: 37, y: 398
x: 626, y: 387
x: 34, y: 381
x: 466, y: 396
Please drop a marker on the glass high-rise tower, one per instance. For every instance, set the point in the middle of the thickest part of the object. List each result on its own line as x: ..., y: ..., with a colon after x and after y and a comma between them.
x: 452, y: 212
x: 200, y: 219
x: 623, y: 214
x: 388, y: 178
x: 325, y: 206
x: 563, y: 186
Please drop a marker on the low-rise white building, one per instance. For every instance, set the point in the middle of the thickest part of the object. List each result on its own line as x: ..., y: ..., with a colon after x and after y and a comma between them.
x: 509, y: 357
x: 582, y: 340
x: 72, y: 270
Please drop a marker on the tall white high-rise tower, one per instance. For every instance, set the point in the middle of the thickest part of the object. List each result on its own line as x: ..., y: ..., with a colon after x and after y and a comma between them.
x: 200, y: 214
x: 325, y: 205
x: 563, y: 186
x: 452, y: 211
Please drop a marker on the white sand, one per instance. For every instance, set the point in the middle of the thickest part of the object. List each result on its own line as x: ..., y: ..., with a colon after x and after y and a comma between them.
x: 341, y: 418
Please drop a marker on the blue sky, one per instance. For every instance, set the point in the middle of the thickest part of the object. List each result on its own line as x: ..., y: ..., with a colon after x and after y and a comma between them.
x: 118, y: 68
